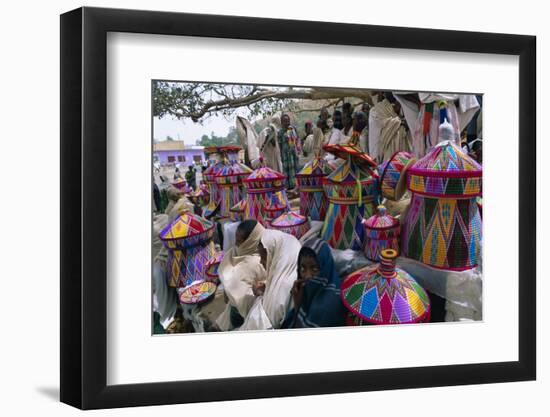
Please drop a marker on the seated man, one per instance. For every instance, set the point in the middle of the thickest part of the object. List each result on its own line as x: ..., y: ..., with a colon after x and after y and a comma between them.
x: 239, y: 270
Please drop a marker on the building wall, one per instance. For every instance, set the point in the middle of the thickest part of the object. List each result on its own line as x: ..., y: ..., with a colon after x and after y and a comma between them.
x: 184, y: 158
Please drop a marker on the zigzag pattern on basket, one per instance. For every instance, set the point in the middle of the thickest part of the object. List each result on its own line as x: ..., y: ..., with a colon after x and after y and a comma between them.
x: 237, y: 211
x: 342, y: 228
x: 443, y: 233
x: 189, y: 242
x: 314, y: 204
x: 442, y: 227
x: 190, y: 265
x: 352, y: 191
x: 377, y: 298
x: 209, y: 176
x: 446, y: 156
x: 313, y: 201
x: 392, y: 182
x: 445, y: 187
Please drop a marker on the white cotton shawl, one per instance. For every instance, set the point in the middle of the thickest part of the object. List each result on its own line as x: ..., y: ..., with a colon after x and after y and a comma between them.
x: 240, y: 268
x: 269, y: 310
x: 269, y: 147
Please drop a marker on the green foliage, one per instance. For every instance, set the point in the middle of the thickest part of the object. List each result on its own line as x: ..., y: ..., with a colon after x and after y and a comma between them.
x: 213, y: 140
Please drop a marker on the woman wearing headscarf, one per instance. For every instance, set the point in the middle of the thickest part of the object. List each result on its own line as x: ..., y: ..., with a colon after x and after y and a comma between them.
x: 238, y: 271
x: 316, y: 293
x: 279, y: 254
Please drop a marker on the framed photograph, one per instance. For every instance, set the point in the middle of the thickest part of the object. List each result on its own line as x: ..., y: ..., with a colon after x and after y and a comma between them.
x: 257, y: 208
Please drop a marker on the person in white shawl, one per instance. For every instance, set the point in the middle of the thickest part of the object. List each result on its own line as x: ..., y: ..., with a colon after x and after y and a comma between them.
x: 387, y: 134
x: 269, y: 146
x: 239, y: 270
x: 424, y: 113
x: 279, y: 252
x: 165, y: 300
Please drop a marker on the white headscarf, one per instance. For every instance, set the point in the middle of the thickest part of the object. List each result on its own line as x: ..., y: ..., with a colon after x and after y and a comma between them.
x: 269, y: 310
x: 240, y: 268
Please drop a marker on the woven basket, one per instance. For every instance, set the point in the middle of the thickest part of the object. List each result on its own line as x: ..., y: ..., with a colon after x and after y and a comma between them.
x: 211, y: 268
x: 352, y: 191
x: 291, y: 223
x: 384, y: 294
x: 313, y: 201
x: 393, y: 178
x: 266, y: 196
x: 442, y: 227
x: 381, y: 232
x: 229, y: 180
x: 189, y: 242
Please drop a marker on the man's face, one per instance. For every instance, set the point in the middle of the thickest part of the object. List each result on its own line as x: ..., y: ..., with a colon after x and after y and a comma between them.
x: 285, y: 121
x: 239, y: 238
x: 359, y: 123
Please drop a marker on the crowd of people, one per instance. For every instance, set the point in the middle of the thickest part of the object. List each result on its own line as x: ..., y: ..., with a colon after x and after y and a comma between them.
x: 272, y: 280
x: 391, y: 122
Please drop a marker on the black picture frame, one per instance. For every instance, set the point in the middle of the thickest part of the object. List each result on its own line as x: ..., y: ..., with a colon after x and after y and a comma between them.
x: 84, y: 207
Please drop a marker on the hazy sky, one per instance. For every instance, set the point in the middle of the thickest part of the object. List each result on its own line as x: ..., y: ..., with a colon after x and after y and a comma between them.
x: 189, y: 132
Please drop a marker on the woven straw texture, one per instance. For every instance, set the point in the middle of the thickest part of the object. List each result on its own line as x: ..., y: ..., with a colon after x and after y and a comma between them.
x: 442, y: 227
x: 381, y: 232
x: 266, y: 196
x: 291, y: 223
x: 352, y: 191
x: 313, y: 201
x: 384, y: 294
x: 393, y: 175
x: 189, y: 242
x: 197, y: 293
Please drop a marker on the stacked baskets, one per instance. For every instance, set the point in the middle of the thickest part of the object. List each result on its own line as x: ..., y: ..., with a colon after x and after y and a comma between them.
x: 265, y: 195
x: 381, y: 232
x: 229, y: 179
x: 352, y: 191
x: 313, y: 201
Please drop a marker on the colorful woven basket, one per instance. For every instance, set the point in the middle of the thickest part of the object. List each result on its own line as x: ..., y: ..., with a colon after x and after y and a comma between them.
x: 276, y: 206
x: 197, y: 293
x: 230, y: 186
x: 381, y: 232
x: 209, y: 176
x: 313, y: 201
x: 292, y: 223
x: 266, y: 196
x: 442, y: 227
x: 352, y: 191
x: 189, y: 242
x: 211, y: 270
x: 384, y: 294
x: 393, y: 178
x: 237, y: 211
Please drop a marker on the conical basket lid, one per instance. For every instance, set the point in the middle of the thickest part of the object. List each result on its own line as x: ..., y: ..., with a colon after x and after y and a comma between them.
x: 375, y: 298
